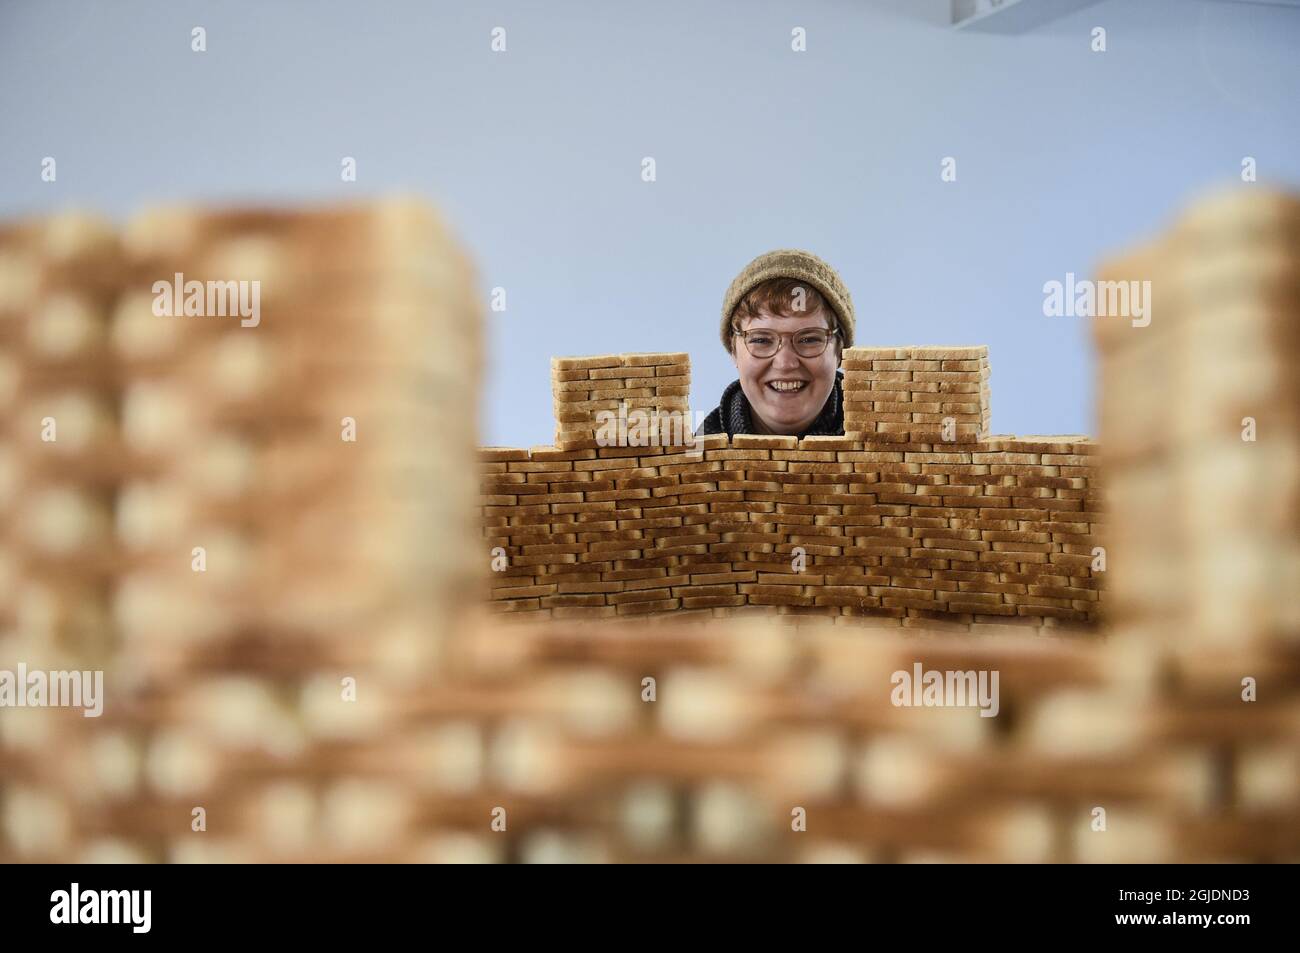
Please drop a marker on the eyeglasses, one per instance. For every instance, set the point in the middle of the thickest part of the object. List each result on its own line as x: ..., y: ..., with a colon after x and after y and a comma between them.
x: 807, y: 342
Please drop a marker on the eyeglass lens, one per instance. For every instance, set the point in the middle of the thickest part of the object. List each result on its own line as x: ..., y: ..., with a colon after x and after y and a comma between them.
x: 809, y: 342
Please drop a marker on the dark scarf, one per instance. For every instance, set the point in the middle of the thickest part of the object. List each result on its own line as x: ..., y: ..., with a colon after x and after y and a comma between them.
x: 735, y: 412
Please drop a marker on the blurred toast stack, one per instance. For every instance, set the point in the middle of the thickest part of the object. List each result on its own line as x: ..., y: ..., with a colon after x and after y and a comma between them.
x: 317, y: 456
x: 58, y: 432
x: 276, y: 501
x: 58, y: 480
x: 673, y: 740
x: 1200, y: 429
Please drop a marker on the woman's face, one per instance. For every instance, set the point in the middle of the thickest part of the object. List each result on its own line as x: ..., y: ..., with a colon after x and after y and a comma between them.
x: 804, y: 382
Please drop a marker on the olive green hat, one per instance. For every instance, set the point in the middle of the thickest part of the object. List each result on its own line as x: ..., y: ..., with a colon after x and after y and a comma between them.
x: 801, y: 266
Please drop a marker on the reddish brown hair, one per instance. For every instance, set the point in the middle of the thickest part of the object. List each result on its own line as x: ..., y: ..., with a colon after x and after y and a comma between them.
x: 776, y: 297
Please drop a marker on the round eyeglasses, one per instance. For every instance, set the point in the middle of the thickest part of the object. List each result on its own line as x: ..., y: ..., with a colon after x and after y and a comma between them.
x: 807, y: 342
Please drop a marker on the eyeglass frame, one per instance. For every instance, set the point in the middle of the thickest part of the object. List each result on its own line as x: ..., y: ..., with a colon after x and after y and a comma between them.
x: 780, y: 339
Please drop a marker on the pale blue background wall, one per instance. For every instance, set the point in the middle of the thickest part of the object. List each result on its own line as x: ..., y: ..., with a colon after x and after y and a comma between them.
x: 535, y: 155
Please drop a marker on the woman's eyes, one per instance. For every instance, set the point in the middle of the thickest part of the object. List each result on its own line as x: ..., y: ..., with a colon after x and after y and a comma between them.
x: 807, y: 339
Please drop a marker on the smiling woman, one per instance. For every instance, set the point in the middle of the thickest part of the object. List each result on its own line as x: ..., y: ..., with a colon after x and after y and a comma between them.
x: 785, y: 321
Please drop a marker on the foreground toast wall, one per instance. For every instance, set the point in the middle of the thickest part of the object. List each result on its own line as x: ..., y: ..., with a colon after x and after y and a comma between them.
x: 914, y: 515
x: 761, y: 740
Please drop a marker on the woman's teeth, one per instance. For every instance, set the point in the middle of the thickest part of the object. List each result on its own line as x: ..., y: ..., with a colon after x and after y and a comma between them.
x: 786, y: 386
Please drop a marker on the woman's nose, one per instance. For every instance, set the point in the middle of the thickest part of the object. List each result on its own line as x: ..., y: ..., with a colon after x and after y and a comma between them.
x: 786, y: 357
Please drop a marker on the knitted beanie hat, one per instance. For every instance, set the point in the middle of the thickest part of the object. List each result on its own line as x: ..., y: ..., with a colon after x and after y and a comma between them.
x: 801, y: 266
